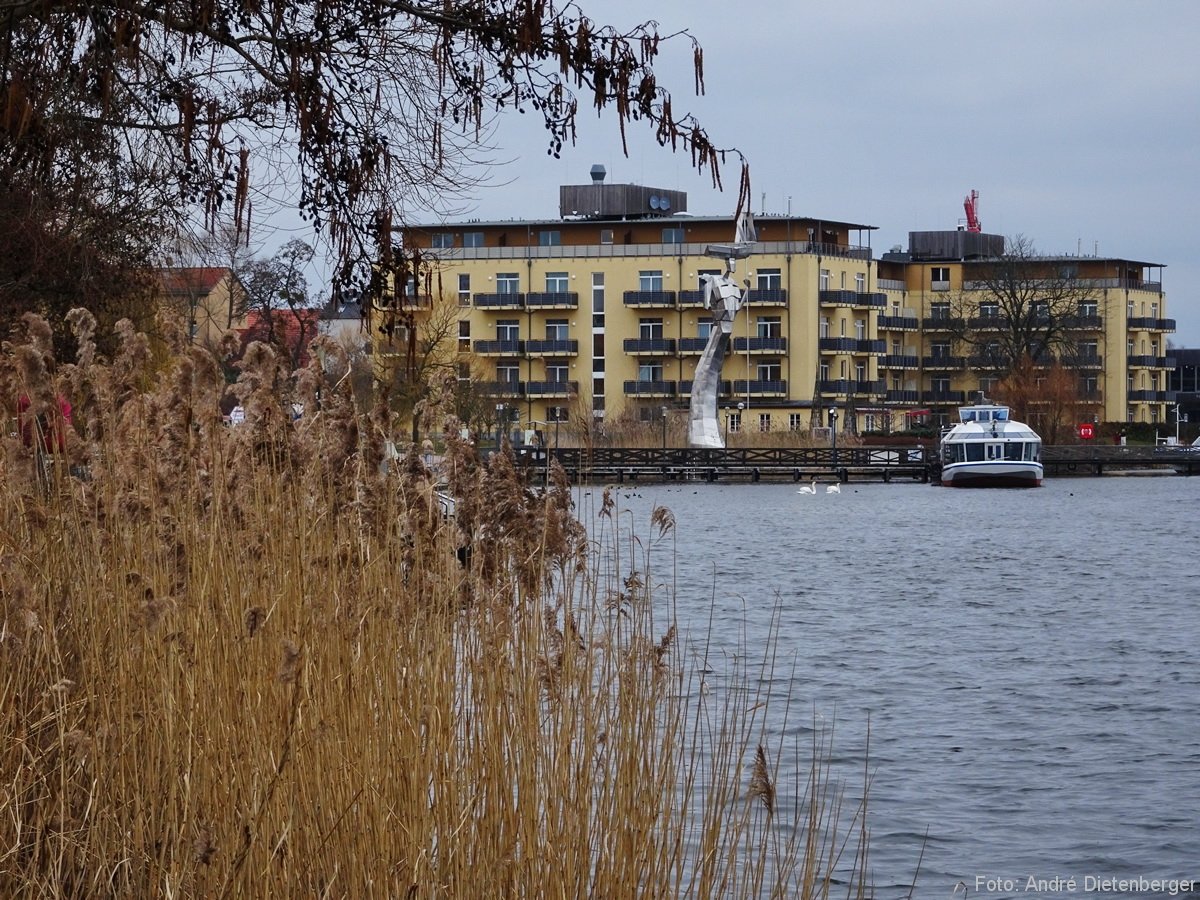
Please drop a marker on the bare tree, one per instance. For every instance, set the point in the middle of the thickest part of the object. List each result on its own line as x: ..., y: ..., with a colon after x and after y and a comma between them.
x: 1020, y: 308
x: 278, y: 304
x: 416, y: 345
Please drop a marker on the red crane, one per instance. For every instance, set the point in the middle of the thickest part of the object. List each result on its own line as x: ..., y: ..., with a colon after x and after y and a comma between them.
x: 971, y: 205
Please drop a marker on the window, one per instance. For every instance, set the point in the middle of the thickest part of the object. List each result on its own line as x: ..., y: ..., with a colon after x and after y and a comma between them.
x: 1089, y: 385
x: 557, y: 329
x: 940, y: 349
x: 860, y: 282
x: 860, y: 329
x: 989, y: 309
x: 1154, y: 310
x: 770, y: 370
x: 769, y: 280
x: 508, y: 373
x: 598, y: 294
x: 896, y: 347
x: 606, y: 236
x: 860, y: 372
x: 558, y: 371
x: 672, y: 235
x: 795, y: 422
x: 597, y: 346
x: 764, y: 422
x: 1129, y: 347
x: 939, y: 278
x: 464, y: 289
x: 508, y: 283
x: 940, y: 385
x: 843, y: 284
x: 704, y: 329
x: 824, y: 280
x: 557, y: 282
x: 843, y: 327
x: 1089, y: 349
x: 824, y: 327
x: 1088, y: 308
x: 464, y: 335
x: 549, y: 238
x: 824, y: 371
x: 1129, y: 309
x: 735, y: 422
x: 869, y: 422
x: 508, y: 330
x: 651, y: 370
x: 650, y: 280
x: 987, y: 384
x: 650, y: 329
x: 1041, y: 309
x: 473, y: 239
x: 769, y: 326
x: 842, y: 369
x: 443, y: 240
x: 940, y: 310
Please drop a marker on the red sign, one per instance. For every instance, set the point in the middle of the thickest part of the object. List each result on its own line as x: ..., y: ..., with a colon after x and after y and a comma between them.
x: 1087, y: 431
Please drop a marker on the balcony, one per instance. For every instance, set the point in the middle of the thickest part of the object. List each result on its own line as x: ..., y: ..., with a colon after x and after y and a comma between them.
x: 500, y: 348
x: 692, y: 345
x: 650, y: 388
x: 940, y: 323
x: 760, y: 388
x: 987, y: 323
x: 649, y: 346
x: 564, y: 300
x: 898, y: 323
x: 1152, y: 396
x: 724, y: 388
x: 870, y: 388
x: 1151, y: 362
x: 691, y: 298
x: 1085, y: 323
x: 498, y: 301
x: 871, y: 300
x: 870, y: 345
x: 551, y: 388
x: 903, y: 397
x: 649, y: 298
x: 837, y: 298
x: 837, y: 344
x: 501, y: 388
x: 988, y: 363
x: 1151, y: 324
x: 894, y: 361
x: 944, y: 398
x: 840, y: 387
x: 1085, y: 361
x: 767, y: 297
x: 760, y: 345
x: 939, y: 361
x: 551, y: 347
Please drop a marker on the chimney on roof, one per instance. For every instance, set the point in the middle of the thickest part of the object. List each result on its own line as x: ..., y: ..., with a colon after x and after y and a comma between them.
x: 598, y: 173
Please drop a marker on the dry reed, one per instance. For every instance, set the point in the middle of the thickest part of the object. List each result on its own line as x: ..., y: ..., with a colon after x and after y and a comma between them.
x: 255, y: 661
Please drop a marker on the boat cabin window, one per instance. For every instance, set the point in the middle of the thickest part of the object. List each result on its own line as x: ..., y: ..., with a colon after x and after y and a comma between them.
x: 966, y: 415
x: 1014, y: 450
x: 1001, y: 415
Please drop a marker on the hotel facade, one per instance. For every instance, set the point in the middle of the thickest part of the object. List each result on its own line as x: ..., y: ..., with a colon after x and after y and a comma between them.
x: 600, y: 311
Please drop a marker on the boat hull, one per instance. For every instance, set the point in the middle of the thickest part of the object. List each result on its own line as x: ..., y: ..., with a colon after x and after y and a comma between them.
x: 997, y: 473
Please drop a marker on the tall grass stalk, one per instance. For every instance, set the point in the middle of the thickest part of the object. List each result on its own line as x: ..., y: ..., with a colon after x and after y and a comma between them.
x: 255, y: 662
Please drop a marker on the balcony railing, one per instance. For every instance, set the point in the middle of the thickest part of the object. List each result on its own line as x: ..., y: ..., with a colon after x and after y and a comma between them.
x: 649, y: 298
x: 490, y: 301
x: 1085, y: 323
x: 691, y: 298
x: 984, y: 323
x: 501, y: 388
x: 1151, y: 362
x: 551, y: 388
x: 837, y: 298
x: 871, y: 300
x: 650, y: 388
x: 1152, y: 396
x: 901, y: 361
x: 903, y: 397
x: 837, y: 344
x: 940, y: 323
x: 552, y: 347
x: 1144, y: 323
x: 500, y: 348
x: 938, y: 361
x: 692, y: 345
x: 943, y: 397
x: 563, y: 300
x: 1085, y: 361
x: 760, y: 388
x: 760, y: 345
x: 724, y: 388
x: 767, y: 297
x: 899, y: 323
x: 654, y: 346
x: 870, y: 345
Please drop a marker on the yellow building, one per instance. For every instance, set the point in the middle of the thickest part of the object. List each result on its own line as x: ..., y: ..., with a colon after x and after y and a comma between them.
x: 601, y: 311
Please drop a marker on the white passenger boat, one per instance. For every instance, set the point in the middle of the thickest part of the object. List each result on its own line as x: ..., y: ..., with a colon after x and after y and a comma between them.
x: 988, y: 449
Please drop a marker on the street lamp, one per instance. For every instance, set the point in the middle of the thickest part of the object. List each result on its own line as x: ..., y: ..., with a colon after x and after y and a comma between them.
x: 741, y: 424
x: 833, y: 433
x: 663, y: 413
x: 727, y: 414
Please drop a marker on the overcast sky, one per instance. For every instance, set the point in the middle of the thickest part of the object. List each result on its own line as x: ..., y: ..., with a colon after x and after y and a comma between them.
x: 1078, y: 121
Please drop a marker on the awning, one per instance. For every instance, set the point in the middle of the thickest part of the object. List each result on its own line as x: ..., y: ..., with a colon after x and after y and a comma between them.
x: 919, y: 412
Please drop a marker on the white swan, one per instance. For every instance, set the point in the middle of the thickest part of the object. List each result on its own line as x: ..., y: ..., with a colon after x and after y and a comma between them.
x: 833, y: 488
x: 809, y: 488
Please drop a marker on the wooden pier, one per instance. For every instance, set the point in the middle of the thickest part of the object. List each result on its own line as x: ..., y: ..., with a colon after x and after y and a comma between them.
x: 886, y: 464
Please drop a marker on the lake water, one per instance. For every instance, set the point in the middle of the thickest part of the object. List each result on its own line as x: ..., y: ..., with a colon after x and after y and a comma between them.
x: 1028, y: 661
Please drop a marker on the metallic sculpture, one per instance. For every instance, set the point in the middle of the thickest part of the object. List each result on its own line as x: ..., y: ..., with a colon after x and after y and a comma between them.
x: 723, y: 297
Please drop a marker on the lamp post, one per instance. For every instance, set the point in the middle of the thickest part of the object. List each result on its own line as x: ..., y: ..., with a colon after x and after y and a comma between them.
x: 833, y: 433
x: 663, y: 414
x: 727, y: 414
x: 741, y: 424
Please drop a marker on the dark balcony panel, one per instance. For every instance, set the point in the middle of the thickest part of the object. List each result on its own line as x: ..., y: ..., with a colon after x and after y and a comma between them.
x: 692, y: 345
x: 944, y: 362
x: 500, y: 348
x: 984, y: 363
x: 486, y: 301
x: 759, y: 388
x: 840, y: 386
x: 566, y: 300
x: 551, y: 388
x: 903, y: 396
x: 1151, y: 362
x: 1096, y: 396
x: 691, y: 298
x: 940, y: 323
x: 649, y: 298
x: 555, y: 348
x: 837, y: 298
x: 1085, y: 323
x: 943, y: 397
x: 1089, y: 361
x: 760, y: 344
x: 875, y: 301
x: 870, y: 388
x: 1150, y: 324
x: 724, y: 388
x: 892, y: 361
x: 649, y: 345
x: 1152, y: 396
x: 870, y: 346
x: 767, y: 297
x: 899, y: 323
x: 501, y: 388
x: 983, y: 323
x: 837, y: 344
x: 650, y: 388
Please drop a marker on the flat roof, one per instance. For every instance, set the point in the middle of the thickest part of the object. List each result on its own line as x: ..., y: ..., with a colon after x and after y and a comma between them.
x: 769, y: 218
